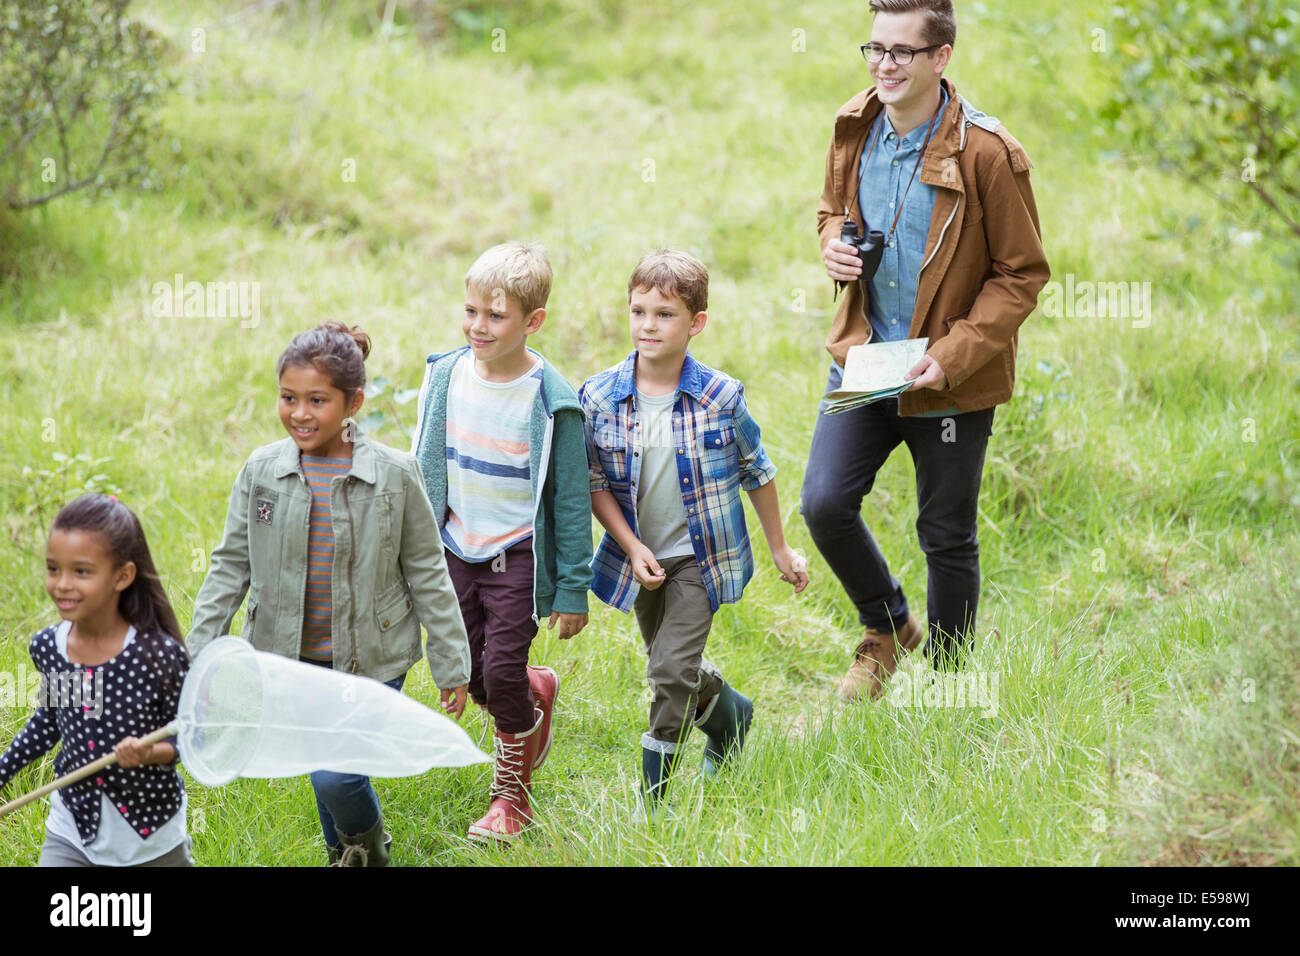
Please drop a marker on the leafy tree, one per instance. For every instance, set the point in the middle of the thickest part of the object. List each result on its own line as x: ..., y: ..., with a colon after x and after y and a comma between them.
x: 77, y: 79
x: 1212, y: 90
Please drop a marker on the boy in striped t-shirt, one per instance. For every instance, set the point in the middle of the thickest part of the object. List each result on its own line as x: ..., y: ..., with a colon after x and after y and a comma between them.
x: 500, y: 441
x: 488, y: 486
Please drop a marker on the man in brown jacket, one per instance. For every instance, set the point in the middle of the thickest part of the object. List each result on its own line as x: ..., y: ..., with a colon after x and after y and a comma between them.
x: 962, y: 265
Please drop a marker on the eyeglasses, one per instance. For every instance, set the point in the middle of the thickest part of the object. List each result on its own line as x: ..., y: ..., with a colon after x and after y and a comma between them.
x: 902, y: 55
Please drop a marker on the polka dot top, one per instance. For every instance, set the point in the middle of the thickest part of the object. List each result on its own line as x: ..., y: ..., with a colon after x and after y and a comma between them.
x: 141, y: 689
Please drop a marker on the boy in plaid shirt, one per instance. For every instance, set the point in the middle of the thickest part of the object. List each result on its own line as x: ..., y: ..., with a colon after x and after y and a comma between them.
x: 670, y: 444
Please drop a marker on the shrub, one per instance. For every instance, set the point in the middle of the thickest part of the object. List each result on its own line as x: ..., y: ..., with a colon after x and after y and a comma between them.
x: 1211, y: 90
x: 77, y: 79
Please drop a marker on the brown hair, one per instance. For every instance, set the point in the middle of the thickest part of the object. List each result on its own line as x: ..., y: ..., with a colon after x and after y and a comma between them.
x: 334, y: 350
x: 940, y: 18
x: 673, y: 273
x: 143, y: 603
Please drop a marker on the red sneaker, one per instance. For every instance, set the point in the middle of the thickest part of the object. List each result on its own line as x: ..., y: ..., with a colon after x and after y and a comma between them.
x: 545, y: 686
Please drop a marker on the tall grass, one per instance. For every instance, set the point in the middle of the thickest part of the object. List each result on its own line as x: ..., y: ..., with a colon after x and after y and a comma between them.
x: 1139, y: 487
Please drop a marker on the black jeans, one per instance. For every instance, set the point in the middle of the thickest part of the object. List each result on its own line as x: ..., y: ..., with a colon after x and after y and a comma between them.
x: 847, y: 451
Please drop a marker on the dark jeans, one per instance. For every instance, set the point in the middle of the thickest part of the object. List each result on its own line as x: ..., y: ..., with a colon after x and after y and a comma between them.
x: 496, y: 603
x: 847, y: 451
x: 345, y: 800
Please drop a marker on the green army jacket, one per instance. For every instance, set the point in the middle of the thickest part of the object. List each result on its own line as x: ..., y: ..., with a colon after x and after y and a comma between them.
x: 389, y: 574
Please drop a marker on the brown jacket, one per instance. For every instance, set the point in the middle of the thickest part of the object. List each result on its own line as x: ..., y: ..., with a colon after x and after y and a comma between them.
x: 984, y: 264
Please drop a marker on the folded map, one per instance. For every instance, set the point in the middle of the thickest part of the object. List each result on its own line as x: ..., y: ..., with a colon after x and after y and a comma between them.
x: 873, y: 372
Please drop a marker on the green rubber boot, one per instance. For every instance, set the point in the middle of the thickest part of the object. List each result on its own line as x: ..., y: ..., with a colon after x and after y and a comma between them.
x: 362, y: 849
x: 656, y: 770
x: 725, y: 722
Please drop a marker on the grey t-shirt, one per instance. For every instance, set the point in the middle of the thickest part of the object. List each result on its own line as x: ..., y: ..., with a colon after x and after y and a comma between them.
x: 660, y: 514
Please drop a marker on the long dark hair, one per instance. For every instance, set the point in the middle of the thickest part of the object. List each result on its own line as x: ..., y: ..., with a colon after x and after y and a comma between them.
x: 144, y: 602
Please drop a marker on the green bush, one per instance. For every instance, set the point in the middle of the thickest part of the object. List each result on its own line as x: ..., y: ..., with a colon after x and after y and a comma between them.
x: 77, y: 80
x: 1211, y: 90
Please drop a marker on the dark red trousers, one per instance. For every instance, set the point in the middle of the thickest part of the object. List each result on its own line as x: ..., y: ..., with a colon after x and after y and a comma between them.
x: 496, y: 601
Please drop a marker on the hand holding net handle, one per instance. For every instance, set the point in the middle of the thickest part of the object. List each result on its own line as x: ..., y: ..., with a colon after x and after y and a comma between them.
x: 82, y: 773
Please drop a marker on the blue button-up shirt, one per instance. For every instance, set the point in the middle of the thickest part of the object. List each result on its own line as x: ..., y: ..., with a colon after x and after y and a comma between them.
x: 719, y: 453
x: 882, y: 182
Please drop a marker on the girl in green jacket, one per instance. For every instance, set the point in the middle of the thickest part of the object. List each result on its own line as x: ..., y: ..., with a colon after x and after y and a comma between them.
x: 333, y: 539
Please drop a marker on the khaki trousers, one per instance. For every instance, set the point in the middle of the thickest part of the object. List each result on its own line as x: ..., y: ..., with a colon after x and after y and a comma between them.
x: 675, y: 619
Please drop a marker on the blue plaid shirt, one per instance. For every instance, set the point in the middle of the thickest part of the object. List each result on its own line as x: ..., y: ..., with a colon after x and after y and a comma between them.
x: 719, y: 452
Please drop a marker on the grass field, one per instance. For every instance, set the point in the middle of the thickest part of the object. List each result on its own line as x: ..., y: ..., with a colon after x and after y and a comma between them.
x: 1138, y: 513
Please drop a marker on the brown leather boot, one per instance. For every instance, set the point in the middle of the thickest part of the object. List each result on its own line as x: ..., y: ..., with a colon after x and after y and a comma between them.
x: 876, y: 658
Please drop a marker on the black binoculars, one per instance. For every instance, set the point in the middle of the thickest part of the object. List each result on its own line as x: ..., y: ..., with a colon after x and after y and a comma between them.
x: 869, y: 247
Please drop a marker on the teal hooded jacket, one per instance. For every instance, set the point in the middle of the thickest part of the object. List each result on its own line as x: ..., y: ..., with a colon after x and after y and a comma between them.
x: 562, y: 546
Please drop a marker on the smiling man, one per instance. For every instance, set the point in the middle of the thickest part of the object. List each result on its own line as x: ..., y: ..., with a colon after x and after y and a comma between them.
x: 962, y: 266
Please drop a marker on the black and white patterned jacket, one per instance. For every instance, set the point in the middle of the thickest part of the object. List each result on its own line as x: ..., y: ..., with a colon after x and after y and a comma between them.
x: 141, y: 689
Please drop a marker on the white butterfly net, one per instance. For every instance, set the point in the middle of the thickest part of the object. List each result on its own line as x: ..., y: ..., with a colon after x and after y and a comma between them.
x: 245, y: 713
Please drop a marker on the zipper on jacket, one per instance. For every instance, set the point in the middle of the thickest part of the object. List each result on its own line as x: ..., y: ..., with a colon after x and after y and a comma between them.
x: 352, y: 551
x: 544, y: 460
x: 422, y: 406
x: 306, y: 567
x: 854, y: 197
x: 960, y: 202
x: 942, y: 232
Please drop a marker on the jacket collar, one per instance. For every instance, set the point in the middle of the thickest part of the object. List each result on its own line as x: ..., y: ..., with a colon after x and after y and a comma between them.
x: 288, y: 461
x: 915, y: 136
x: 865, y: 105
x: 856, y: 116
x: 691, y: 381
x: 551, y: 391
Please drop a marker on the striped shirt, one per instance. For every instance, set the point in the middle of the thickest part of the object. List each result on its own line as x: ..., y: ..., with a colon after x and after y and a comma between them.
x: 317, y: 636
x: 489, y: 476
x: 719, y: 453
